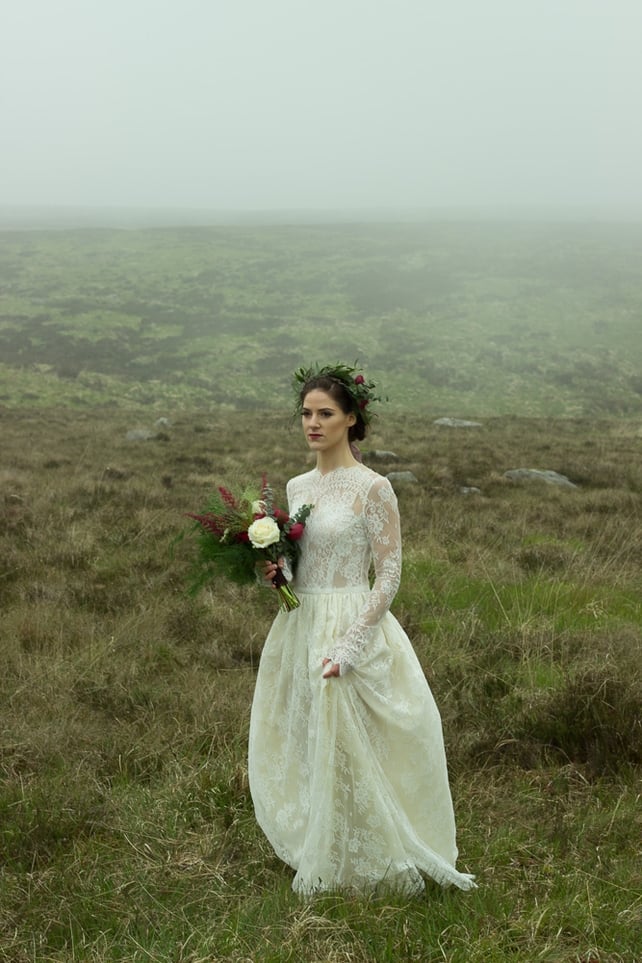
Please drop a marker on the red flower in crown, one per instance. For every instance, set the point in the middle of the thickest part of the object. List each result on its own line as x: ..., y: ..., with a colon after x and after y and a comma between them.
x: 359, y: 380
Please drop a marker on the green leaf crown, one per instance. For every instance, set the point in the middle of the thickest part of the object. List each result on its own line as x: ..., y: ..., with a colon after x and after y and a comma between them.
x: 363, y: 393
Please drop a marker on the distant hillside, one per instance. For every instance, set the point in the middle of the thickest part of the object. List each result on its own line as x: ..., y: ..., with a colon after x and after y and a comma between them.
x: 456, y: 318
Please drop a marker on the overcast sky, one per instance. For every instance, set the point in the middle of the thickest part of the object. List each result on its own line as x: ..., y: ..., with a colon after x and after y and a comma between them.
x: 290, y: 104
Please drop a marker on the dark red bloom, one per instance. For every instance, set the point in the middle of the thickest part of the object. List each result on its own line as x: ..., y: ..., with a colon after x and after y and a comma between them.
x: 363, y: 404
x: 359, y: 380
x: 280, y: 516
x: 227, y: 496
x: 242, y: 537
x: 296, y: 531
x: 209, y: 522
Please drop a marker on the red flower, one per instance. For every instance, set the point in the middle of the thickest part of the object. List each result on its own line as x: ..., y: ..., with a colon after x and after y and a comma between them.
x: 209, y: 522
x: 227, y: 496
x: 296, y: 531
x: 363, y: 404
x: 280, y: 516
x: 242, y: 537
x: 359, y: 380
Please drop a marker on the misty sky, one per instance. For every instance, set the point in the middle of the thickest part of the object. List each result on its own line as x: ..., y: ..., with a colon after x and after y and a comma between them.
x: 273, y: 104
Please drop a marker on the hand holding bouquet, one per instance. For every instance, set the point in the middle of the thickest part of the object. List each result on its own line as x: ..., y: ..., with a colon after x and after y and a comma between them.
x: 237, y: 530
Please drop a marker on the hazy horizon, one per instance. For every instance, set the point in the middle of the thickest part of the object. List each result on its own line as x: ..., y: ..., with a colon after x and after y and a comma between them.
x: 70, y: 218
x: 291, y: 106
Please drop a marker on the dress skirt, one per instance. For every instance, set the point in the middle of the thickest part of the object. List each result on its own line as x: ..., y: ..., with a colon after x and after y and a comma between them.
x: 348, y: 775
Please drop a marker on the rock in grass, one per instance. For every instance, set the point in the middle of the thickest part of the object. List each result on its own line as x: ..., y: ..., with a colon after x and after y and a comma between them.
x: 140, y: 434
x: 456, y: 423
x: 378, y: 455
x: 537, y: 474
x: 402, y: 478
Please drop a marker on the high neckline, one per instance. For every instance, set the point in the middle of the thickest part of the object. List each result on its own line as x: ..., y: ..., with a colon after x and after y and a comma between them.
x: 332, y: 471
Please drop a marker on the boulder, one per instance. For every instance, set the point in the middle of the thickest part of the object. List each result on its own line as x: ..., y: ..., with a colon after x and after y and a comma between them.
x: 402, y: 478
x: 538, y: 474
x: 378, y: 455
x: 140, y: 434
x: 456, y: 423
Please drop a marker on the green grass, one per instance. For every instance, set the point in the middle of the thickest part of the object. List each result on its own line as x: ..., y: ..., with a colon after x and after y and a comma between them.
x: 126, y: 825
x: 453, y: 318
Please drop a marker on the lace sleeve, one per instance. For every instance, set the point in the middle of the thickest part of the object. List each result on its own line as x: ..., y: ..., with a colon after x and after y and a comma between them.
x: 381, y: 517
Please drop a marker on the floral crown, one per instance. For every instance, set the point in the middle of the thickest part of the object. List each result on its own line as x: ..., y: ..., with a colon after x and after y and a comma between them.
x: 361, y: 392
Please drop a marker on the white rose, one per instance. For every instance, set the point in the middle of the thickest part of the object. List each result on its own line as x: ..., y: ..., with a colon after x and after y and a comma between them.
x: 264, y: 532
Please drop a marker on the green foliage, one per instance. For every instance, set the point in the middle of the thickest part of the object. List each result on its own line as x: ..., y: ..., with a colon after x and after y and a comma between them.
x: 224, y: 536
x: 460, y: 318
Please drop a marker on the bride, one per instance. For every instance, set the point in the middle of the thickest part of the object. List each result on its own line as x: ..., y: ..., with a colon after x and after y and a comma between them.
x: 346, y: 757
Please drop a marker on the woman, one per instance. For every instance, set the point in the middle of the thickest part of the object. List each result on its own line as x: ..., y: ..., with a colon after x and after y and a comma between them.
x: 346, y: 758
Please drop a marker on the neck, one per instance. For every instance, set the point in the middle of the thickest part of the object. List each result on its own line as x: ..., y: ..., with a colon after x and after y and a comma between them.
x: 329, y: 460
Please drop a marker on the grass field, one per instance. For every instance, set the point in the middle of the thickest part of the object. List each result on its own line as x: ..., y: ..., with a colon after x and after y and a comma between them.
x: 467, y: 319
x: 126, y: 826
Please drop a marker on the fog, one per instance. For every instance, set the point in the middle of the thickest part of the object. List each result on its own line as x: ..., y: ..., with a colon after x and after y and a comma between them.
x: 328, y: 105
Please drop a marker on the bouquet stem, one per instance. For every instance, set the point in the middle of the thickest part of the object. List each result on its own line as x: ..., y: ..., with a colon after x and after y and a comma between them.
x: 287, y: 598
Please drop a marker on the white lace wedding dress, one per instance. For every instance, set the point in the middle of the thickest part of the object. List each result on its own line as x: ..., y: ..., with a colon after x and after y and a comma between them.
x: 348, y: 775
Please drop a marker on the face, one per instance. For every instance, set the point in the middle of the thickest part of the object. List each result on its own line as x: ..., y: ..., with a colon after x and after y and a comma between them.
x: 325, y: 425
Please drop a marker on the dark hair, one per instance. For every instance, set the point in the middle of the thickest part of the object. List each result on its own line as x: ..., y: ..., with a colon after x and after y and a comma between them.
x: 339, y: 393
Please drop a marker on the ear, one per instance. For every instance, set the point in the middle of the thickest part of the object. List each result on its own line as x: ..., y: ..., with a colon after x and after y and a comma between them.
x: 352, y: 419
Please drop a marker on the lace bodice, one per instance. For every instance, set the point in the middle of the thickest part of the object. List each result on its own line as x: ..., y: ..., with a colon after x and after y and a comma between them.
x: 354, y: 522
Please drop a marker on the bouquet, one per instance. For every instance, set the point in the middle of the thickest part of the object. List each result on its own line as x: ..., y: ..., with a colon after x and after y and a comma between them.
x: 235, y: 531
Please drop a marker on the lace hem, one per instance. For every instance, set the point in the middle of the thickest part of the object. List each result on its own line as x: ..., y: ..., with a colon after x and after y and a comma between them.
x: 406, y: 881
